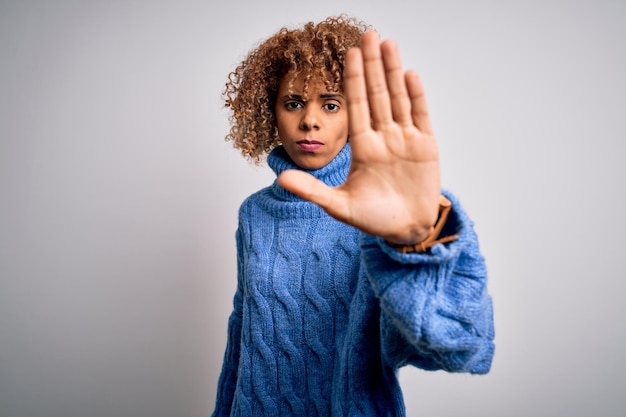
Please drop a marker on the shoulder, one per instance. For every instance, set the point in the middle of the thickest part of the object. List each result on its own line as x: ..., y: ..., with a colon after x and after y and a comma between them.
x: 251, y: 204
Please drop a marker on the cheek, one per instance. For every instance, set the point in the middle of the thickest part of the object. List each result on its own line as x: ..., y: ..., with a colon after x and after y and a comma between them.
x: 283, y: 122
x: 341, y: 127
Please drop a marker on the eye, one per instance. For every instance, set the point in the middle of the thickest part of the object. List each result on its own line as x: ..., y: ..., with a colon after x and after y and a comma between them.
x: 331, y: 107
x: 293, y: 105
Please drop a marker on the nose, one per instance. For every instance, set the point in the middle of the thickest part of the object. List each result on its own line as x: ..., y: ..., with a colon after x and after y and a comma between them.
x: 310, y: 119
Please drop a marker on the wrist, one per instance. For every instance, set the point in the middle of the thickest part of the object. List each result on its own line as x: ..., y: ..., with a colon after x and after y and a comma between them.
x: 415, y: 238
x: 433, y: 236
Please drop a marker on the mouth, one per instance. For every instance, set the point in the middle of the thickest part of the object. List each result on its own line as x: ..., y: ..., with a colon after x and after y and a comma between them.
x: 309, y: 145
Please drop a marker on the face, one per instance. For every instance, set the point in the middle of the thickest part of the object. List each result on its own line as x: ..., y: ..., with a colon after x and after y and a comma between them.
x: 312, y: 131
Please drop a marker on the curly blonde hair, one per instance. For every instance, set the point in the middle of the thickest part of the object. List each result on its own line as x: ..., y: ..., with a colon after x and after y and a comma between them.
x: 315, y: 50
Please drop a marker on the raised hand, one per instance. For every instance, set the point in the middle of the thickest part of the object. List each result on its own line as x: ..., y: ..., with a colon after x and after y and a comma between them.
x: 393, y: 185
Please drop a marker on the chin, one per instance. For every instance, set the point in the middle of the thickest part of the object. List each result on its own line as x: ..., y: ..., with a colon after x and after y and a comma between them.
x: 311, y: 163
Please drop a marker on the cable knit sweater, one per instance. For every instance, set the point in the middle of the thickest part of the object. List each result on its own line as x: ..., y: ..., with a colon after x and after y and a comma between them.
x: 324, y: 315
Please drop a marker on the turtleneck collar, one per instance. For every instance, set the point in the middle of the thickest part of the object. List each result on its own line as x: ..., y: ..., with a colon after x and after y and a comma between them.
x: 283, y: 204
x: 332, y: 174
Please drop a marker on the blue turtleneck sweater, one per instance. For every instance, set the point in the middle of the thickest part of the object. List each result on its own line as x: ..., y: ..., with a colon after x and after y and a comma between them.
x: 324, y: 315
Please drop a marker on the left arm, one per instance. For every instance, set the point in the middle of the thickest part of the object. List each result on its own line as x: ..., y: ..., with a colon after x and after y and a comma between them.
x: 436, y: 310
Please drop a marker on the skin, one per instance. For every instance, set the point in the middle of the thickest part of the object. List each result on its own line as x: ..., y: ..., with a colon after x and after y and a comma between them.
x: 393, y: 185
x: 312, y: 131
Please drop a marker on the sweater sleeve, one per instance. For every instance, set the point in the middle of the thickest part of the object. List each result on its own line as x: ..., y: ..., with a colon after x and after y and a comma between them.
x: 228, y: 376
x: 436, y: 312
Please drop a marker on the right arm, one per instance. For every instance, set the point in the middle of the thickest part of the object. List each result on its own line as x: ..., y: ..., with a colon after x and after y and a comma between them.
x: 228, y: 377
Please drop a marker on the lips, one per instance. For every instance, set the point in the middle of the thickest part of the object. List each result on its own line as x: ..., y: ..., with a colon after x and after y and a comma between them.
x: 309, y: 145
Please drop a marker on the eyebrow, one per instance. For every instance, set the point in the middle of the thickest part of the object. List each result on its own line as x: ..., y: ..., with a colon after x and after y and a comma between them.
x: 325, y: 96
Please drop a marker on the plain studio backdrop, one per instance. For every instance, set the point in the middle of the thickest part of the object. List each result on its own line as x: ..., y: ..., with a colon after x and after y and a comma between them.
x: 119, y: 196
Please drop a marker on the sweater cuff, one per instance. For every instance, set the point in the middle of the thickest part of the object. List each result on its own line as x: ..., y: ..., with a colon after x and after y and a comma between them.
x: 457, y: 223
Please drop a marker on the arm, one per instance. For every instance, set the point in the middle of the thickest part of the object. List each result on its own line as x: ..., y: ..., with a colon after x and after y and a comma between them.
x: 228, y: 376
x: 436, y: 311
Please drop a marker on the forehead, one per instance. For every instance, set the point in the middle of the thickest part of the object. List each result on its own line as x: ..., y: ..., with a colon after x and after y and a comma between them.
x: 303, y: 83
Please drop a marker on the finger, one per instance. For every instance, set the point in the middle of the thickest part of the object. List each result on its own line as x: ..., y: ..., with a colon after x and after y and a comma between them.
x: 307, y: 187
x: 375, y: 80
x: 356, y: 93
x: 419, y: 107
x: 396, y: 84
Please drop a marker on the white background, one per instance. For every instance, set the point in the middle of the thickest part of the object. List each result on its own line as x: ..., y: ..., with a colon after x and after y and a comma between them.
x: 118, y: 196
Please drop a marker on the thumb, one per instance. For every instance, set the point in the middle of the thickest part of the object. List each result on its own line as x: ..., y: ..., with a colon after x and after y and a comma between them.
x: 307, y: 187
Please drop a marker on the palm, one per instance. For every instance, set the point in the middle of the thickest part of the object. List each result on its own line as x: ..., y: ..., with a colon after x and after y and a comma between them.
x: 393, y: 186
